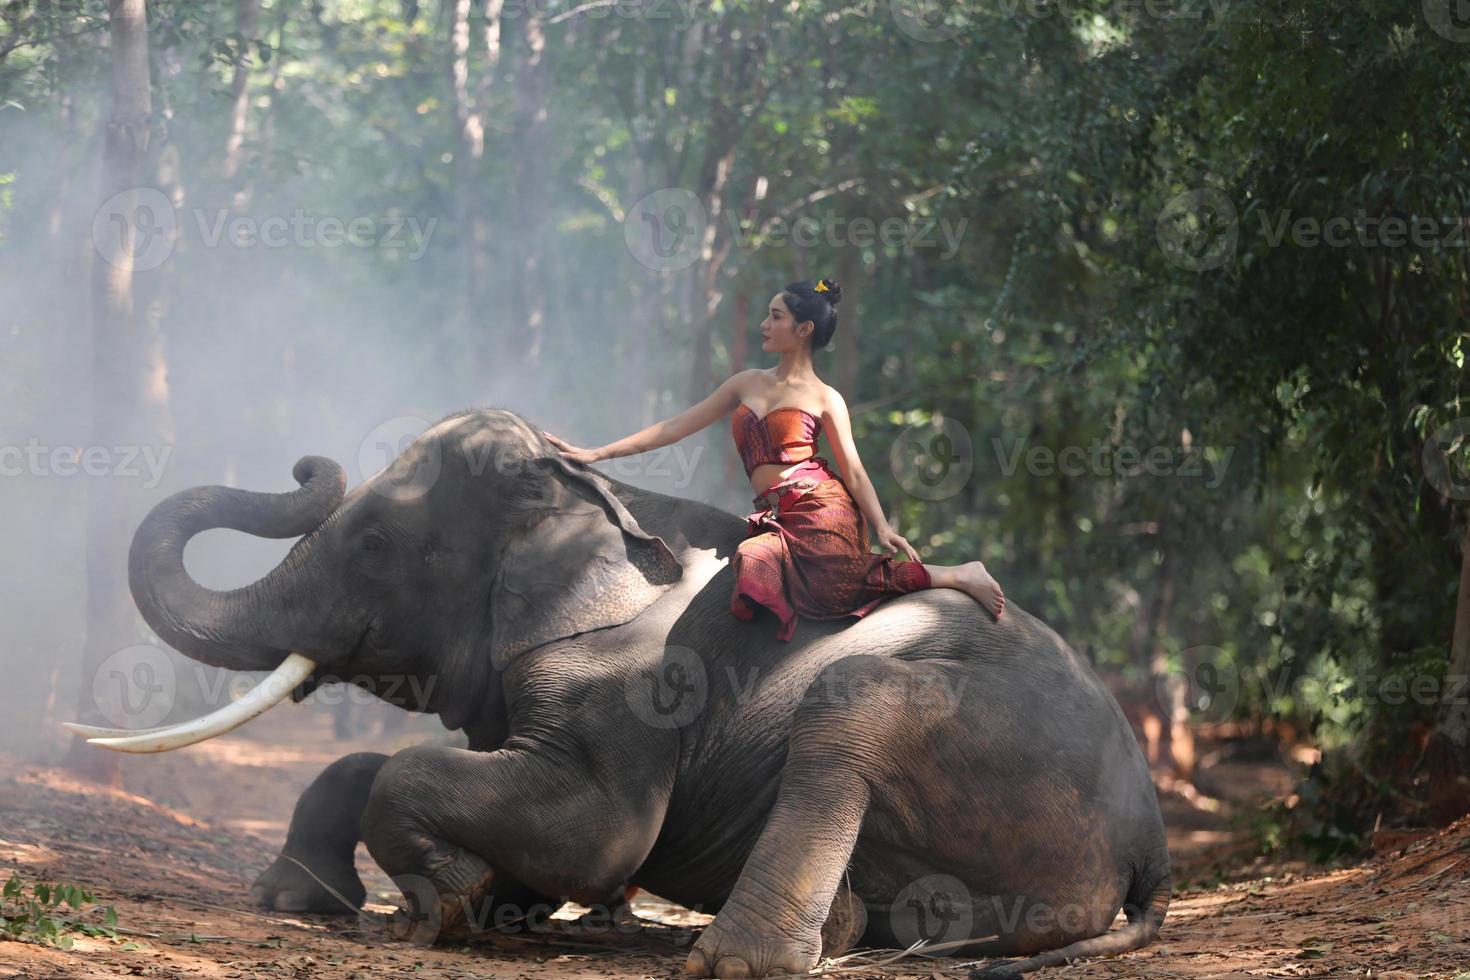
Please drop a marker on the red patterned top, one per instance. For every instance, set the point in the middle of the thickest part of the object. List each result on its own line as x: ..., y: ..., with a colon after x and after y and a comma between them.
x: 784, y: 435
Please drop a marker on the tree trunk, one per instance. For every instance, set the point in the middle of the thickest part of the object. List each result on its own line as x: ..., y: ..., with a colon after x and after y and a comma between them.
x: 705, y: 293
x: 247, y: 19
x: 469, y: 144
x: 847, y: 358
x: 469, y: 104
x: 275, y: 85
x: 738, y: 81
x: 1173, y: 746
x: 69, y: 246
x: 1446, y: 758
x: 648, y: 325
x: 129, y: 392
x: 739, y: 344
x: 531, y: 188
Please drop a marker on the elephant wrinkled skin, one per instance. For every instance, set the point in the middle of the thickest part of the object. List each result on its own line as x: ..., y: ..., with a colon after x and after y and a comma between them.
x: 925, y: 771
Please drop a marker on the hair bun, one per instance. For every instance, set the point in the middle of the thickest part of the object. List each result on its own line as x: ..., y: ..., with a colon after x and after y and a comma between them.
x: 830, y: 290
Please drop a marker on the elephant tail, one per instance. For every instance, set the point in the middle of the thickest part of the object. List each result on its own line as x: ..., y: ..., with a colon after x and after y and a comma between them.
x: 1145, y: 907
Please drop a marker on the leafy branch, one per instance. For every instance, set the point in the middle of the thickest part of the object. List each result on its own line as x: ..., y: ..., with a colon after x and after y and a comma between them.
x: 40, y: 916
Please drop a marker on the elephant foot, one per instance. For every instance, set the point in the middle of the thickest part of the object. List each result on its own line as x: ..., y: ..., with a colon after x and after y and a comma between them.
x: 466, y: 899
x: 451, y: 906
x: 845, y: 925
x: 286, y: 887
x: 735, y: 946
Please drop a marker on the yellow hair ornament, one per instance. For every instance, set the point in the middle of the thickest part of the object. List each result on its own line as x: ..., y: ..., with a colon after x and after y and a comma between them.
x: 821, y: 286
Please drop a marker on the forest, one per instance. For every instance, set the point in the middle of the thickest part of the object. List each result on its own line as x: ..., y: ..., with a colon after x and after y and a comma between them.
x: 1160, y: 309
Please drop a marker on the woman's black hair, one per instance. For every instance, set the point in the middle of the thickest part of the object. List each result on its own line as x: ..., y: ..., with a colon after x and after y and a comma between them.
x: 808, y: 302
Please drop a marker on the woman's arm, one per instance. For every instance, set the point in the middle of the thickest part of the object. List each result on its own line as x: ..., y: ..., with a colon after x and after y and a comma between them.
x: 722, y: 401
x: 844, y: 451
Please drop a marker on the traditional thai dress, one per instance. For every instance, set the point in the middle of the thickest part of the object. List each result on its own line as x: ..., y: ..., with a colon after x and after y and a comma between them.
x: 806, y: 550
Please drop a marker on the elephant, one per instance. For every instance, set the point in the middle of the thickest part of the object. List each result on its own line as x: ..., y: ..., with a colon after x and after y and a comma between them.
x: 923, y: 774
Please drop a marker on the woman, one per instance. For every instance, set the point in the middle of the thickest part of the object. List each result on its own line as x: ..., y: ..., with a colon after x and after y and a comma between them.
x: 806, y: 551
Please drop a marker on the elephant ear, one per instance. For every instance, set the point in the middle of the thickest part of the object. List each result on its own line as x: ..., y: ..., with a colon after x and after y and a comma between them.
x: 584, y: 564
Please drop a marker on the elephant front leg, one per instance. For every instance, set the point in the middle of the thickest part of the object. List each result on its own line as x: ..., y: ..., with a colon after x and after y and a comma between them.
x: 460, y: 831
x: 325, y: 829
x: 790, y: 906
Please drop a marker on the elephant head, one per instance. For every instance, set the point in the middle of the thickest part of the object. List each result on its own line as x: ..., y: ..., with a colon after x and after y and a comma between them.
x: 477, y: 543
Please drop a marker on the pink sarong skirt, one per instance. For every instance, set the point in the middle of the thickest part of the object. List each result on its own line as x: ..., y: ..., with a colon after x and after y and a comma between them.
x: 806, y: 552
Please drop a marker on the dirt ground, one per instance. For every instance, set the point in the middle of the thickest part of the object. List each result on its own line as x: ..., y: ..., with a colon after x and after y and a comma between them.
x: 175, y: 851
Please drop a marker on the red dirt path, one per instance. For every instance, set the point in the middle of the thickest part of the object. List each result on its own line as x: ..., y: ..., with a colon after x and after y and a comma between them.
x: 175, y: 854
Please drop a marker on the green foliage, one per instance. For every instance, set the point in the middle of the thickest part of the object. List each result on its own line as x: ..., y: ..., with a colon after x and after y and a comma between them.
x: 39, y: 914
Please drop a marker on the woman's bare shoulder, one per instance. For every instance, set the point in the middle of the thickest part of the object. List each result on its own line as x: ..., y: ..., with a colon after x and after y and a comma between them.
x: 744, y: 381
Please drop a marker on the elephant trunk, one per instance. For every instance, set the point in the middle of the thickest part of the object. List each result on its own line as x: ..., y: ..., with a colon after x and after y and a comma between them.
x: 257, y: 626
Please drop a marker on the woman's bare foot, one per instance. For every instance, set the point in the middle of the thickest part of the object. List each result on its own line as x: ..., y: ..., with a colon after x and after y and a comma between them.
x: 972, y: 577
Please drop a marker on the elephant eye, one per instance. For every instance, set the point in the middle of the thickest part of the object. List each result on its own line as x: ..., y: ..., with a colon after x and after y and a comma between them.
x: 373, y: 543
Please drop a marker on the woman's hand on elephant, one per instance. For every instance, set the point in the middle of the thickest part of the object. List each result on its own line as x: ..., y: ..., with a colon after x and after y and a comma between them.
x: 890, y: 541
x: 571, y: 452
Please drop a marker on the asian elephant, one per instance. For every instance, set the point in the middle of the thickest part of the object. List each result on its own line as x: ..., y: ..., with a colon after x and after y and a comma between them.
x: 926, y: 772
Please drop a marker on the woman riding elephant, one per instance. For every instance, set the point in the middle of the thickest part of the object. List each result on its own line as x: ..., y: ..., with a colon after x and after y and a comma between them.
x: 924, y: 775
x: 806, y: 549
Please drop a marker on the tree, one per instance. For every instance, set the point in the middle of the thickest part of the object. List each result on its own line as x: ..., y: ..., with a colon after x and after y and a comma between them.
x: 129, y: 386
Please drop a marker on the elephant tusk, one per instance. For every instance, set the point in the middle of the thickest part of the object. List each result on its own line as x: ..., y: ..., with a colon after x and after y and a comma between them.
x: 269, y: 692
x: 92, y: 731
